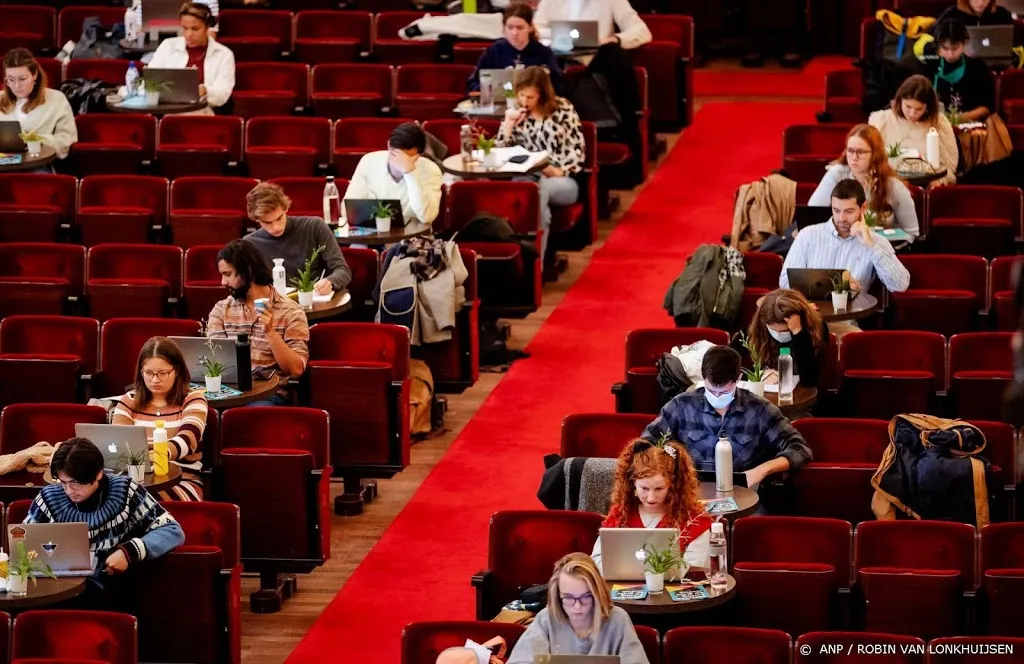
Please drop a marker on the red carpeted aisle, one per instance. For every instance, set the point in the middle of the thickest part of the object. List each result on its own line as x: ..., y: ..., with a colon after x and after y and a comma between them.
x: 421, y: 568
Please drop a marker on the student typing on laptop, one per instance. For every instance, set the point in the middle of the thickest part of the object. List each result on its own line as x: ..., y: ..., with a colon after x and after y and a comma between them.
x: 27, y: 100
x: 518, y: 47
x: 633, y: 32
x: 977, y: 12
x: 955, y: 74
x: 126, y: 524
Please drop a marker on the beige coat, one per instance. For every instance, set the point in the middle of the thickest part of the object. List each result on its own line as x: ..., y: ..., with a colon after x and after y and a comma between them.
x: 53, y: 120
x: 763, y: 208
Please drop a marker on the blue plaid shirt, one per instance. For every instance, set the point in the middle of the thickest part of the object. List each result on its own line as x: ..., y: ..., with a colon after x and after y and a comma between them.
x: 756, y: 428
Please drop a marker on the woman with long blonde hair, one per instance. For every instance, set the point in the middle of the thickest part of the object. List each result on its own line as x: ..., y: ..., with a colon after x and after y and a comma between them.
x: 580, y: 618
x: 786, y: 319
x: 27, y: 98
x: 865, y: 160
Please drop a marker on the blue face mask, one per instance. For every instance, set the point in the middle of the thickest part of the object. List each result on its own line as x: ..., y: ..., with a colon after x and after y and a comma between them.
x: 781, y: 337
x: 719, y: 401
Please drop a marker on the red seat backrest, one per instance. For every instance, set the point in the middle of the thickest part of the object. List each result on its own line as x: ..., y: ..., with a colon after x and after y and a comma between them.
x: 23, y: 425
x: 519, y: 202
x: 900, y: 543
x: 37, y: 188
x: 222, y: 130
x: 844, y: 440
x: 371, y: 133
x: 67, y: 335
x: 328, y: 24
x: 211, y: 193
x: 349, y: 77
x: 271, y: 427
x: 980, y: 351
x: 426, y: 78
x: 137, y: 261
x: 145, y: 191
x: 896, y: 351
x: 43, y: 259
x: 645, y: 346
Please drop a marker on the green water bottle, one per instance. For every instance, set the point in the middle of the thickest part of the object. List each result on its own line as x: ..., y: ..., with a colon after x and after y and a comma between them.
x: 468, y: 6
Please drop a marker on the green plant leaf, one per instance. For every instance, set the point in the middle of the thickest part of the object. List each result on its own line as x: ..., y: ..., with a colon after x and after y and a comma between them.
x: 305, y: 282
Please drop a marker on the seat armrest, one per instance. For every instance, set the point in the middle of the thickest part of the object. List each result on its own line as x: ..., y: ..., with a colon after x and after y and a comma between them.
x: 623, y: 397
x: 481, y: 581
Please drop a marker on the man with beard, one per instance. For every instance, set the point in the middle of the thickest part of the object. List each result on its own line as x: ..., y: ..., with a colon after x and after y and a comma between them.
x: 277, y: 327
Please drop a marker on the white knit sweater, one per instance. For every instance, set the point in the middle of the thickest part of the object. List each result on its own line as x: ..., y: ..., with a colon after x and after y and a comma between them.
x: 53, y: 120
x: 914, y: 135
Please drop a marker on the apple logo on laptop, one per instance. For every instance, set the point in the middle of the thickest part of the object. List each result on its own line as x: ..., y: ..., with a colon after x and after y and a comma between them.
x: 986, y: 42
x: 112, y: 448
x: 574, y: 33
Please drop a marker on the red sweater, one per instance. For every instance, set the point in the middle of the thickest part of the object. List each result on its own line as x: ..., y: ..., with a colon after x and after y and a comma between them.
x: 688, y: 533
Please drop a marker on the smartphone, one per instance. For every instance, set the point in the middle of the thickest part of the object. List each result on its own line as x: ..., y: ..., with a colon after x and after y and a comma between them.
x: 519, y: 159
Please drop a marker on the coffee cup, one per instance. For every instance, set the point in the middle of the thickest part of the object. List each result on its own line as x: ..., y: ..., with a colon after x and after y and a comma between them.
x: 262, y: 304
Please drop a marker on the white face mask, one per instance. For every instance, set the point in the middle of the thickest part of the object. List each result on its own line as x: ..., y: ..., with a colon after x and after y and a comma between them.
x: 781, y: 337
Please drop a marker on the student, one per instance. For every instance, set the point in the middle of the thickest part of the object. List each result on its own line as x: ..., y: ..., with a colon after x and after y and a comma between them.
x: 27, y: 99
x: 295, y: 238
x: 978, y: 12
x: 763, y: 441
x: 962, y: 82
x: 785, y: 319
x: 162, y: 392
x: 609, y: 14
x: 579, y: 619
x: 914, y: 111
x: 656, y: 487
x: 278, y: 334
x: 545, y: 121
x: 866, y: 161
x: 399, y: 173
x: 517, y: 48
x: 196, y: 48
x: 126, y: 524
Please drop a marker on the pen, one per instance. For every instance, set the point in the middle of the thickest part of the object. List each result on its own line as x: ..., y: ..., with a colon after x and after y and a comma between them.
x: 322, y: 273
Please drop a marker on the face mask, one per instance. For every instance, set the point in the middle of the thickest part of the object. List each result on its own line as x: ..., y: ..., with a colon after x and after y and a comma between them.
x: 719, y: 401
x: 781, y: 337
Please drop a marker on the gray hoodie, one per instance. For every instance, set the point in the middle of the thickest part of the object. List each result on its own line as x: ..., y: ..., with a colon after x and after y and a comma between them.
x: 547, y: 636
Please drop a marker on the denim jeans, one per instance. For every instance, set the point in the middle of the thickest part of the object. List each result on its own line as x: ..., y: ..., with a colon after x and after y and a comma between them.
x: 274, y: 400
x: 561, y: 190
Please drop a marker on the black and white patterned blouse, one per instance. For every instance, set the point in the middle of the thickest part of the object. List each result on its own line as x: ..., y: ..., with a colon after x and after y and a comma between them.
x: 561, y: 135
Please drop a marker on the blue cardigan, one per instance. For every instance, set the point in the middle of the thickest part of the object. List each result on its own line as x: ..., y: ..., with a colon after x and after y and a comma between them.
x: 502, y: 55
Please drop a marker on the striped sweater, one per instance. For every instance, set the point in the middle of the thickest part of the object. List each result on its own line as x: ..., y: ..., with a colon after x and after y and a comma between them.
x: 120, y: 515
x: 184, y: 425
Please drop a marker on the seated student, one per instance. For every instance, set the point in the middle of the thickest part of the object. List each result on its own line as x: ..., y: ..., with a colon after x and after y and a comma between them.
x: 763, y: 441
x: 579, y: 619
x: 278, y: 333
x: 27, y: 99
x: 162, y: 392
x: 518, y: 48
x: 126, y: 524
x: 197, y: 48
x: 978, y: 12
x: 295, y: 238
x: 866, y: 161
x: 914, y: 111
x: 847, y: 244
x: 962, y: 82
x: 656, y: 487
x: 785, y: 319
x: 609, y: 14
x: 545, y: 121
x: 399, y: 173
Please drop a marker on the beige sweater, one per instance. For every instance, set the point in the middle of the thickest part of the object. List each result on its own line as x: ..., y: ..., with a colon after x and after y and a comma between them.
x: 914, y: 135
x: 53, y: 120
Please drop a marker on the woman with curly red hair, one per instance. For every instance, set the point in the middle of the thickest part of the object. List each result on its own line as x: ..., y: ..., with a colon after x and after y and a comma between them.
x: 656, y: 487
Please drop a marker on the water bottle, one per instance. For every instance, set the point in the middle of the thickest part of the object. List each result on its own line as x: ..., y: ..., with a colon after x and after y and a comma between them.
x: 719, y: 559
x: 243, y: 362
x: 723, y: 465
x: 280, y: 280
x: 332, y: 203
x: 466, y: 144
x: 932, y: 148
x: 132, y: 25
x: 785, y: 377
x: 161, y: 454
x: 131, y: 78
x: 486, y: 91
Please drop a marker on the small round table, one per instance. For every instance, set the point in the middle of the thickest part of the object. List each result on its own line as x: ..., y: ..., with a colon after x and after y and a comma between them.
x: 476, y: 170
x: 261, y: 389
x: 44, y: 592
x: 158, y: 110
x: 46, y: 156
x: 746, y: 499
x: 396, y: 234
x: 803, y: 398
x: 662, y: 603
x: 862, y: 306
x: 922, y: 180
x: 474, y: 112
x: 155, y: 483
x: 339, y: 304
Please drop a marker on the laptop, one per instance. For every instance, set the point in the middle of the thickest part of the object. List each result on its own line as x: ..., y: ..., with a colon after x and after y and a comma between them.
x: 62, y: 546
x: 809, y: 215
x: 619, y: 547
x: 814, y: 283
x: 500, y: 78
x: 225, y: 351
x: 576, y: 659
x: 116, y: 441
x: 568, y: 36
x: 9, y: 140
x: 359, y: 212
x: 990, y: 42
x: 181, y: 86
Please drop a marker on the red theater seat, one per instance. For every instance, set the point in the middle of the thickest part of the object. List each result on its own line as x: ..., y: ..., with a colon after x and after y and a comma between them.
x: 352, y: 90
x: 980, y: 370
x: 199, y: 144
x: 365, y: 266
x: 600, y: 434
x: 280, y: 147
x: 102, y: 635
x: 885, y: 373
x: 745, y: 645
x: 306, y: 194
x: 807, y: 149
x: 256, y: 35
x: 28, y: 26
x: 763, y: 272
x: 1003, y: 307
x: 978, y: 220
x: 455, y: 364
x: 121, y: 339
x: 34, y: 207
x: 946, y: 294
x: 844, y: 95
x: 265, y: 89
x: 127, y: 209
x: 56, y: 351
x: 425, y: 91
x: 354, y: 137
x: 1011, y: 96
x: 206, y: 210
x: 117, y: 143
x: 1002, y: 578
x: 38, y: 278
x: 203, y: 287
x: 325, y: 36
x: 422, y: 642
x: 142, y: 280
x: 71, y: 19
x: 390, y: 48
x: 111, y: 72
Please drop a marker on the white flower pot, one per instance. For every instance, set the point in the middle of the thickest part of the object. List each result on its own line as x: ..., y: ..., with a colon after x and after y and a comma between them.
x: 756, y: 387
x: 491, y: 159
x: 839, y: 300
x: 34, y: 147
x: 306, y: 299
x: 137, y: 473
x: 213, y: 383
x: 383, y: 224
x: 152, y: 99
x: 655, y: 582
x: 511, y: 103
x: 16, y: 584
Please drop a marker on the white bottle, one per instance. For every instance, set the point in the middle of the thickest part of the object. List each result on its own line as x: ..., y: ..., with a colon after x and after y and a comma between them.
x: 723, y: 465
x: 132, y: 25
x: 131, y: 77
x: 280, y: 282
x: 486, y: 91
x: 719, y: 557
x: 332, y: 202
x: 785, y: 377
x: 466, y: 143
x: 932, y: 148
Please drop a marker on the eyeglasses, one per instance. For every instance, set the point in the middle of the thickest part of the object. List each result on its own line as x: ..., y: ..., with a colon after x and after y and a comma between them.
x: 853, y: 152
x: 157, y: 375
x: 21, y: 80
x: 584, y: 600
x: 72, y: 484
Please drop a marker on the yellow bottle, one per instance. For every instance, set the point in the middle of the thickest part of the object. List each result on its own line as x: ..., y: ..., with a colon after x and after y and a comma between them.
x: 161, y: 458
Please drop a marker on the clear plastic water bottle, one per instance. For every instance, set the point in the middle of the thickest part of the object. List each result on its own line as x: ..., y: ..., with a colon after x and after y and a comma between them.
x: 723, y: 465
x: 486, y: 91
x: 332, y: 202
x: 466, y: 143
x: 785, y: 377
x: 719, y: 557
x: 131, y: 78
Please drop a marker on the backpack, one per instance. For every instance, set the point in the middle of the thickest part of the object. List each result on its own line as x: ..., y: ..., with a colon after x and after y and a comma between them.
x: 426, y: 409
x: 86, y: 96
x: 672, y: 378
x: 99, y: 42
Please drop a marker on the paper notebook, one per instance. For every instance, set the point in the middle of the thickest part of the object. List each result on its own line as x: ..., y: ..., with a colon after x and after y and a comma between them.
x: 720, y: 505
x: 224, y: 392
x: 689, y: 592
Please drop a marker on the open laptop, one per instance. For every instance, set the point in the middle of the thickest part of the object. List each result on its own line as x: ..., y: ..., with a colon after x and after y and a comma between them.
x: 568, y: 36
x: 116, y: 441
x: 9, y: 139
x: 813, y: 283
x: 62, y: 546
x: 499, y: 79
x: 359, y: 212
x: 990, y: 42
x: 619, y: 547
x: 809, y: 215
x: 576, y: 659
x: 225, y: 352
x: 181, y: 86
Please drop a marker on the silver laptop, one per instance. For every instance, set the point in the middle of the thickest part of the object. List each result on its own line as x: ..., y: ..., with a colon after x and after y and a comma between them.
x: 499, y: 79
x: 62, y: 546
x: 359, y: 212
x: 116, y: 442
x: 9, y: 139
x: 195, y: 348
x: 576, y: 659
x: 567, y: 36
x: 619, y: 547
x: 181, y: 86
x: 990, y: 42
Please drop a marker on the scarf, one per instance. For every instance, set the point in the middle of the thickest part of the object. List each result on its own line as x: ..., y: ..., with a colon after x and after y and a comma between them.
x: 952, y: 76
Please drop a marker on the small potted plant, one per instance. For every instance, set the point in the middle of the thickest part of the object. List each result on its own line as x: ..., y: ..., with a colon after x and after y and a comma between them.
x: 870, y: 219
x: 755, y: 374
x: 304, y: 283
x: 135, y: 463
x: 486, y: 146
x: 152, y: 90
x: 511, y: 101
x: 33, y: 141
x: 212, y: 369
x: 382, y: 216
x: 659, y: 563
x: 26, y: 565
x: 894, y: 152
x: 840, y: 292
